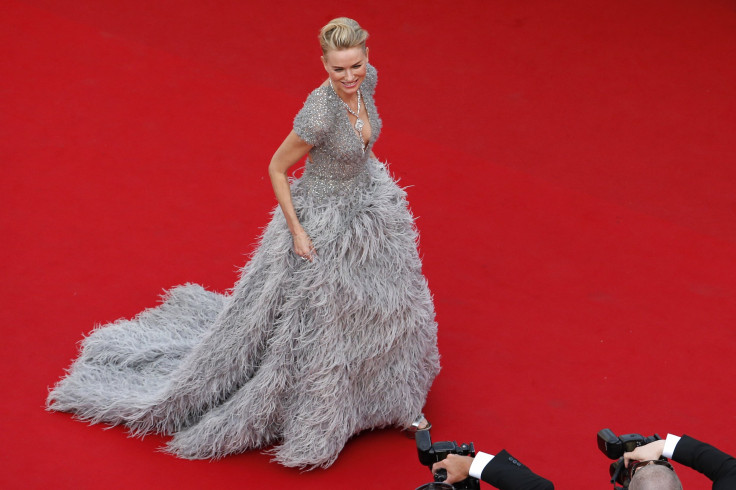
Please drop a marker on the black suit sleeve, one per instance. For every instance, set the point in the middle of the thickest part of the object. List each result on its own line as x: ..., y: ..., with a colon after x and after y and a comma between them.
x: 506, y: 473
x: 712, y: 462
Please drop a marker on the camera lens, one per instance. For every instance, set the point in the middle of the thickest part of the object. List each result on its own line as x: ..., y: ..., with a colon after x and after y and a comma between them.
x: 436, y: 486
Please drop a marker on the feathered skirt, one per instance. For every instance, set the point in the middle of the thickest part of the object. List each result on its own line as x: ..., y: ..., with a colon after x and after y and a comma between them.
x: 298, y: 355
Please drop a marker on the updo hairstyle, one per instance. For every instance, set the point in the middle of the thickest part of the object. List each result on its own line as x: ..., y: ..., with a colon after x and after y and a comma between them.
x: 342, y: 33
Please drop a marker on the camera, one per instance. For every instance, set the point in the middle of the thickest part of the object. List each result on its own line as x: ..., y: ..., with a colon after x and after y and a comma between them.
x: 431, y: 453
x: 614, y: 447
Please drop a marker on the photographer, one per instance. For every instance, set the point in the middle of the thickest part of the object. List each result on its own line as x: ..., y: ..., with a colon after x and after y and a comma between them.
x: 502, y: 471
x: 713, y: 463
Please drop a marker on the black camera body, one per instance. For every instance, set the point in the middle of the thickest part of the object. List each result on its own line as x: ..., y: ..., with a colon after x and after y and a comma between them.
x: 430, y: 453
x: 614, y: 447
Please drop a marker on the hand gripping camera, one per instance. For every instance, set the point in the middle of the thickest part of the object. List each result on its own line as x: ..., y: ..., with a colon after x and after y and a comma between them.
x: 430, y: 453
x: 614, y: 447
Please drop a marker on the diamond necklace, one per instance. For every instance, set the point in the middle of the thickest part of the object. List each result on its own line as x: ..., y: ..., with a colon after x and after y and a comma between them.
x: 358, y: 121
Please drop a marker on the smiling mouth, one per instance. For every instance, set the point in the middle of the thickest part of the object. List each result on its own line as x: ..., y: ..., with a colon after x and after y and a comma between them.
x: 350, y: 84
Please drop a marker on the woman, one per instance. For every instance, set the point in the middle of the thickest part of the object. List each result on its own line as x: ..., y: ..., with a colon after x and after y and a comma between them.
x: 330, y: 329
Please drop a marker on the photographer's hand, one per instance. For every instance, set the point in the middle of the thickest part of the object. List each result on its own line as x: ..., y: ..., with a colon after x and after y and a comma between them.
x: 457, y: 467
x: 648, y: 452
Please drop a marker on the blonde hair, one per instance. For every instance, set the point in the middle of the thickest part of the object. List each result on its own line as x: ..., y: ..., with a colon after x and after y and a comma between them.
x: 342, y: 33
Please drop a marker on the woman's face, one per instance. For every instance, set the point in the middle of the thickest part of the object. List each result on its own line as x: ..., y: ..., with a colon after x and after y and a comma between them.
x: 346, y: 68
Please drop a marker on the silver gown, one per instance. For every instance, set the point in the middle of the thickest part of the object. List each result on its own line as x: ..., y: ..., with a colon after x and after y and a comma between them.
x: 298, y: 355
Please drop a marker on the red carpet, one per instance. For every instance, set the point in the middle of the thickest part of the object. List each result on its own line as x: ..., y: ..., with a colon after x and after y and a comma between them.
x: 571, y: 164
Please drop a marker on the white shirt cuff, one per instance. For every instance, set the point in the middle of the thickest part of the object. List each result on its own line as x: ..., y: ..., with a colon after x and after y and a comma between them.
x: 479, y: 462
x: 669, y: 445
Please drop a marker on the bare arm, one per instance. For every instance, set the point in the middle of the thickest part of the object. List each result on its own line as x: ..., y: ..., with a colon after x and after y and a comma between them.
x: 287, y: 155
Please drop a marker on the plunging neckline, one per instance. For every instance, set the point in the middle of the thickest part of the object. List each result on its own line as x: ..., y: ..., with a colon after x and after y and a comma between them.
x: 359, y: 135
x: 364, y: 144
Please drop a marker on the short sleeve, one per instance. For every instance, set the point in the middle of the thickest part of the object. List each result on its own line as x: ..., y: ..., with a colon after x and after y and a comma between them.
x: 312, y: 122
x: 371, y: 78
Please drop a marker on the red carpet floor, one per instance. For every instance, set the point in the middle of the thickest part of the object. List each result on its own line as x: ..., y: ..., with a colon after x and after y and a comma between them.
x: 571, y: 165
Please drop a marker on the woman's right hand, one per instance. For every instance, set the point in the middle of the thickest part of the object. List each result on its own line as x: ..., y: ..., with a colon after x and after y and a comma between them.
x: 303, y: 246
x: 289, y: 153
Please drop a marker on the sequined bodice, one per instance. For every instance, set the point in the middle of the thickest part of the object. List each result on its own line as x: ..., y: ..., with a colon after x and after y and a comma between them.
x: 337, y: 162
